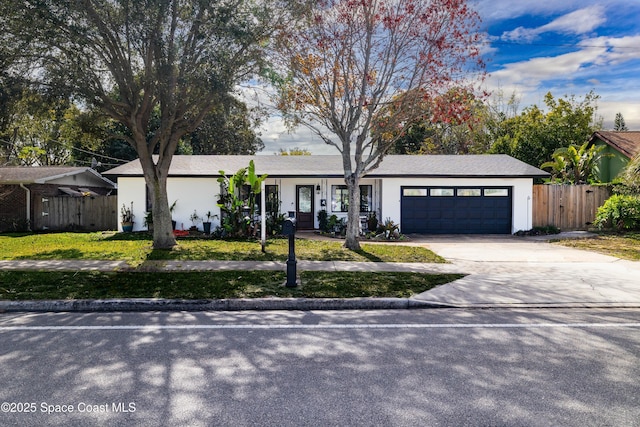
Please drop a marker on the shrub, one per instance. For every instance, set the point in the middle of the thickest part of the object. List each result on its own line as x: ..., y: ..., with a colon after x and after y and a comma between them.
x: 619, y: 211
x: 323, y: 221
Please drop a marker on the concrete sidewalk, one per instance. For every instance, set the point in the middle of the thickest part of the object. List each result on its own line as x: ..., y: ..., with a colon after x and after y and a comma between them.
x: 502, y: 271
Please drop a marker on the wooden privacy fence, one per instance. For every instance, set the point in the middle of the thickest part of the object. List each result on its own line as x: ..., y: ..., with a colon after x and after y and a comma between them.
x: 75, y: 213
x: 568, y: 207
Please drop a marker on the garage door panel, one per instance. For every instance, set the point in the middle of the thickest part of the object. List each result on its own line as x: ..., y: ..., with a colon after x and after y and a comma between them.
x: 463, y: 212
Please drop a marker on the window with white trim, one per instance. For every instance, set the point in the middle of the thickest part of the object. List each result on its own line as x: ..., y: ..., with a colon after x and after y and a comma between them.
x: 340, y: 198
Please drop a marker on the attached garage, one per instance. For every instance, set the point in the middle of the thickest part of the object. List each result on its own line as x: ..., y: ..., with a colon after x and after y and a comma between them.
x: 455, y: 210
x: 422, y: 194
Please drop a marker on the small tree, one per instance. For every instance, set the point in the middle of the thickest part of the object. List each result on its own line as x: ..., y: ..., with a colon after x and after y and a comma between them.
x: 352, y: 60
x: 237, y: 201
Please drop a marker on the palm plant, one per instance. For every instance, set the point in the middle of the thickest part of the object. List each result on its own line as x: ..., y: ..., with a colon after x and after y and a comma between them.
x: 631, y: 176
x: 575, y: 164
x: 238, y: 200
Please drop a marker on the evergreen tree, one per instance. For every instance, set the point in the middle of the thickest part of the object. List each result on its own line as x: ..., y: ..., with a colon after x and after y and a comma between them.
x: 619, y: 124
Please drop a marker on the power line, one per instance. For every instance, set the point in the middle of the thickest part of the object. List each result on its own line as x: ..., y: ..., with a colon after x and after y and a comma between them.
x: 78, y: 149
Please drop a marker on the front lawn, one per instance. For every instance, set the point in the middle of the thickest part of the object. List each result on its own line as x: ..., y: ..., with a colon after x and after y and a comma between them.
x: 625, y: 246
x: 20, y: 286
x: 135, y: 248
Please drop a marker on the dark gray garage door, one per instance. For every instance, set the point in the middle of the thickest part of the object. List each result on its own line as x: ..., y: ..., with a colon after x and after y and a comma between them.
x: 456, y: 210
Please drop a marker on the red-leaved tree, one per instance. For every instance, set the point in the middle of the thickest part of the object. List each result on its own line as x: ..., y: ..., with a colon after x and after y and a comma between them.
x: 360, y: 71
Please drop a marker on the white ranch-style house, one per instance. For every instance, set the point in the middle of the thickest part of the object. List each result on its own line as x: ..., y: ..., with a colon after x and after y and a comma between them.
x: 439, y: 194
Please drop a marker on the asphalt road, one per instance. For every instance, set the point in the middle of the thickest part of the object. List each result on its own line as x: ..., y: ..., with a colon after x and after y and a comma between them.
x: 343, y: 368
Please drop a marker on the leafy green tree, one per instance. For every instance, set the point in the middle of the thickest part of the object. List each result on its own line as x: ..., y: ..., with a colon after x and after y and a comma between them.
x: 534, y: 135
x: 295, y: 151
x: 472, y: 127
x: 450, y: 124
x: 133, y: 57
x: 227, y: 129
x: 42, y: 129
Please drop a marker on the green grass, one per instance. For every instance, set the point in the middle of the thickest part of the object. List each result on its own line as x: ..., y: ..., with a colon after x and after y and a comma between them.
x: 19, y: 286
x: 137, y: 247
x: 624, y: 246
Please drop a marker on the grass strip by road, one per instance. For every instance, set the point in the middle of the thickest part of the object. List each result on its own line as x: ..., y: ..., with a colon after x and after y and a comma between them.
x: 135, y: 248
x: 22, y: 286
x: 624, y: 246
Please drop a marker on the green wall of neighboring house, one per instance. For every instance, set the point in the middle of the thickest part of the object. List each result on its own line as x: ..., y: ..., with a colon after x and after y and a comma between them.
x: 612, y: 163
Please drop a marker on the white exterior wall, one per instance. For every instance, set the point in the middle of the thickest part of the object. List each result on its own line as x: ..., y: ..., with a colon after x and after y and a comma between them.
x: 132, y: 190
x: 200, y: 194
x: 287, y: 190
x: 522, y: 191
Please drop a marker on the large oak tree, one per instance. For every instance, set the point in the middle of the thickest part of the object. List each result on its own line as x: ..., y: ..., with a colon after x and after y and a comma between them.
x: 359, y: 71
x: 134, y: 57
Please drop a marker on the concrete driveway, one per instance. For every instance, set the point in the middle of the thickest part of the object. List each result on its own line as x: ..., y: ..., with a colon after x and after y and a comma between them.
x: 509, y: 270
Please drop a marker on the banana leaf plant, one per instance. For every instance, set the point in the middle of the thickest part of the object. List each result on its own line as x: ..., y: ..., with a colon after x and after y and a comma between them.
x: 237, y: 201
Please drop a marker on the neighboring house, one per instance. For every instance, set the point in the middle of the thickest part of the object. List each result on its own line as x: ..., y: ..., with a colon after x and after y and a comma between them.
x: 424, y: 194
x: 28, y: 195
x: 620, y: 148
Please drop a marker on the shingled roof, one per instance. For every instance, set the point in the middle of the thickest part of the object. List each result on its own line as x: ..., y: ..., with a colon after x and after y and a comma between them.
x: 441, y: 166
x: 627, y: 143
x: 46, y: 174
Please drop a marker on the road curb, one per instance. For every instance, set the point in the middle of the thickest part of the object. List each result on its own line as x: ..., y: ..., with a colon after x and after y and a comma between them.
x: 144, y: 304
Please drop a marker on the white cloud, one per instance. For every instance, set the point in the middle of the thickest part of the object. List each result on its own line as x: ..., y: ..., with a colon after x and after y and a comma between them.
x: 630, y: 110
x: 276, y: 136
x: 620, y: 48
x: 598, y: 52
x: 273, y: 131
x: 578, y: 22
x: 531, y: 73
x: 496, y: 10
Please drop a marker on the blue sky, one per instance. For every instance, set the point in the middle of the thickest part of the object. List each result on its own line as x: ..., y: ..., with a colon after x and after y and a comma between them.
x: 566, y: 47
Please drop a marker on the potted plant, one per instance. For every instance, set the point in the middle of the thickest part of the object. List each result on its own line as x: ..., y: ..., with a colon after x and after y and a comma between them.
x: 372, y: 222
x: 148, y: 220
x: 206, y: 225
x: 126, y: 216
x: 323, y: 221
x: 194, y: 221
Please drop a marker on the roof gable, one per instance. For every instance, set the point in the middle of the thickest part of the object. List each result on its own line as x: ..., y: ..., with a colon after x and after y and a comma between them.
x: 498, y: 166
x: 57, y: 175
x: 627, y: 143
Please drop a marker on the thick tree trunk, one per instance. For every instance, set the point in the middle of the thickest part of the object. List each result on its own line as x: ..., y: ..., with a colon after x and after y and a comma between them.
x: 163, y: 237
x: 352, y: 240
x: 156, y: 181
